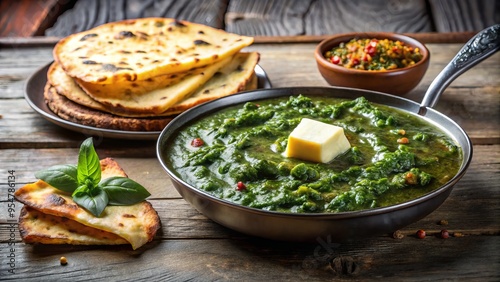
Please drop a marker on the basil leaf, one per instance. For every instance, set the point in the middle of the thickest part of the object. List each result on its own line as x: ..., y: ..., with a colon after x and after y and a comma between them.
x: 62, y: 177
x: 95, y: 202
x: 88, y: 163
x: 123, y: 190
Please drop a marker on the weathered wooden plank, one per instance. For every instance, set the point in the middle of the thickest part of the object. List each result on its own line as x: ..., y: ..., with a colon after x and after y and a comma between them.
x: 264, y: 17
x: 26, y: 18
x: 140, y: 163
x: 464, y: 15
x: 330, y: 17
x: 409, y: 259
x: 290, y: 18
x: 17, y: 65
x: 91, y: 13
x: 425, y: 37
x: 178, y: 221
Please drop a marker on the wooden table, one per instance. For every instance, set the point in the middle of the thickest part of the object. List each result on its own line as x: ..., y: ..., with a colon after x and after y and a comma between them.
x: 191, y: 247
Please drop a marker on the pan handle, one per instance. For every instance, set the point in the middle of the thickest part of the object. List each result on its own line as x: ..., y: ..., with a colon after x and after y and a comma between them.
x: 478, y: 48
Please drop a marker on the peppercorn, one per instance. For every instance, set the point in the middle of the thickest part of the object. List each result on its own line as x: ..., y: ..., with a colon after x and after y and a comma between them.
x: 420, y: 234
x: 445, y: 234
x: 63, y: 261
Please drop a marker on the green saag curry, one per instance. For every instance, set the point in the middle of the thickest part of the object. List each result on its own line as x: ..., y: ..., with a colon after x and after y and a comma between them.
x: 237, y: 154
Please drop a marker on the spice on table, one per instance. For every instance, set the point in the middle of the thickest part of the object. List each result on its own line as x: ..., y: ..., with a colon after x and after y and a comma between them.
x: 373, y: 54
x: 443, y: 222
x: 63, y: 261
x: 445, y: 234
x: 420, y: 234
x: 398, y: 234
x: 458, y: 234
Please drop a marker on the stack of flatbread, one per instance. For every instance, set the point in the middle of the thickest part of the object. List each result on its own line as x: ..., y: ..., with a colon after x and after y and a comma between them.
x: 138, y: 74
x: 50, y: 216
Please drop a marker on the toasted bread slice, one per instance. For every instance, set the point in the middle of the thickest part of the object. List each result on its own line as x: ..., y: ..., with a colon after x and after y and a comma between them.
x: 137, y: 223
x: 37, y: 227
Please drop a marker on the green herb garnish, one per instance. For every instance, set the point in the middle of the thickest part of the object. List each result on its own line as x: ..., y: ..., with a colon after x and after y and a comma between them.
x: 85, y: 184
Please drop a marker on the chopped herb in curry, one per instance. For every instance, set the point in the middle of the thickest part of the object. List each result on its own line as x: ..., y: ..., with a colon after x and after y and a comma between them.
x: 237, y: 154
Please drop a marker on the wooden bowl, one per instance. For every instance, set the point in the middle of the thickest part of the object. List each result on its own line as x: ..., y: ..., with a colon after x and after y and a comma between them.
x: 398, y: 81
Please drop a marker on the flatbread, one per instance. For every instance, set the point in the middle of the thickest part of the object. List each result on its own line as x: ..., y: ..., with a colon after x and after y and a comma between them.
x: 65, y: 85
x: 37, y: 227
x: 159, y: 100
x: 139, y: 49
x: 235, y: 76
x: 70, y: 111
x: 135, y: 88
x: 232, y: 78
x: 135, y: 223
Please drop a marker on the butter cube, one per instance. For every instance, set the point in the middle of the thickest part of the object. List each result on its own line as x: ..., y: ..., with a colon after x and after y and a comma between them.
x: 316, y: 141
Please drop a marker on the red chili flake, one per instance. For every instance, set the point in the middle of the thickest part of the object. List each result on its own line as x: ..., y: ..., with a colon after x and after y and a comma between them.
x: 445, y: 234
x: 240, y: 186
x: 335, y: 59
x: 197, y: 142
x: 371, y: 50
x: 420, y: 234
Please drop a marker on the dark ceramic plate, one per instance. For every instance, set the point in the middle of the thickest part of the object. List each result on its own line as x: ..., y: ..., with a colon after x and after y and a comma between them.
x: 34, y: 97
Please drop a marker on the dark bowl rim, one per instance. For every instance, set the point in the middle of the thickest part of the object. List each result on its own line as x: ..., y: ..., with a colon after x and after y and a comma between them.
x: 251, y: 95
x: 320, y: 59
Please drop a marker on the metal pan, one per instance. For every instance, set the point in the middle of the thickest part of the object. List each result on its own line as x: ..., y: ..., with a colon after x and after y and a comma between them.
x: 338, y: 226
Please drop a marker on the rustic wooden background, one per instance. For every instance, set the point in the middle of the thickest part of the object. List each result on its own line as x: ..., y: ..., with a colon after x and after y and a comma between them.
x: 58, y: 18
